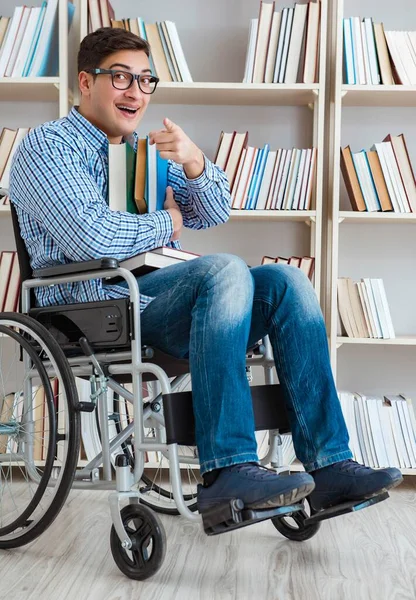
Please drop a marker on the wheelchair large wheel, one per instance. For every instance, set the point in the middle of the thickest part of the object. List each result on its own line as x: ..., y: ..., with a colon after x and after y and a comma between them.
x: 148, y: 537
x: 39, y: 429
x: 293, y: 526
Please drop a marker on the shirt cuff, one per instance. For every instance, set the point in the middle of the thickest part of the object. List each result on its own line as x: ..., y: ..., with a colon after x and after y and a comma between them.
x: 163, y: 227
x: 210, y: 173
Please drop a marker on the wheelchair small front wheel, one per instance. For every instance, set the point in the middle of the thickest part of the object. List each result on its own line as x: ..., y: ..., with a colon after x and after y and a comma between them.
x: 148, y: 537
x: 293, y: 527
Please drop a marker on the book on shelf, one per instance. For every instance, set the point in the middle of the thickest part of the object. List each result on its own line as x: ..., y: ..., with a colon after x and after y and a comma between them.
x: 363, y: 308
x: 29, y: 40
x: 137, y: 181
x: 9, y: 141
x: 265, y: 179
x: 9, y: 281
x: 374, y: 56
x: 283, y: 46
x: 167, y: 58
x: 380, y: 179
x: 382, y: 429
x: 304, y: 263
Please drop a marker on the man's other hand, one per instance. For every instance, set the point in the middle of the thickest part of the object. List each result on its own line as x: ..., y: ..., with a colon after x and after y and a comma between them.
x: 172, y: 207
x: 173, y: 143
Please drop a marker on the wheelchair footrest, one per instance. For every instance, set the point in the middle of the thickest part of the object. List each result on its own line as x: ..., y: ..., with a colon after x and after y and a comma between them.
x: 233, y: 515
x: 344, y: 508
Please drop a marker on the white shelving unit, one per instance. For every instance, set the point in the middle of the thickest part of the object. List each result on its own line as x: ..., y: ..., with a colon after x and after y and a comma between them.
x: 345, y: 96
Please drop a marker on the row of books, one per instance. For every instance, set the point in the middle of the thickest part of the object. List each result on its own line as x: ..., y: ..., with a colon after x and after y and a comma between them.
x: 363, y: 309
x: 167, y: 58
x: 262, y: 179
x: 304, y: 263
x: 380, y: 179
x: 382, y: 429
x: 375, y: 56
x: 283, y: 47
x: 9, y: 140
x: 9, y: 281
x: 29, y: 40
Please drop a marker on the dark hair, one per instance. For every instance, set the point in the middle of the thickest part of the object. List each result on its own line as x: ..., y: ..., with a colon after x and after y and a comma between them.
x: 103, y: 42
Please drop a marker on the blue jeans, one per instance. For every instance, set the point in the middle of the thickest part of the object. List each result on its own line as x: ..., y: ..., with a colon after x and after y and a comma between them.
x: 210, y: 310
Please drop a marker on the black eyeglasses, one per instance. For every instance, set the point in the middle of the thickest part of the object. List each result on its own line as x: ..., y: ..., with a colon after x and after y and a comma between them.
x: 123, y: 80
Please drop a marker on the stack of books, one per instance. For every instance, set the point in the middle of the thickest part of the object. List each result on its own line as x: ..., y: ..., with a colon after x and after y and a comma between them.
x: 304, y: 263
x: 29, y: 40
x: 363, y: 309
x: 137, y: 181
x: 262, y: 179
x: 374, y: 56
x: 9, y: 281
x: 9, y: 141
x: 382, y: 429
x: 283, y: 47
x: 167, y: 57
x: 380, y: 179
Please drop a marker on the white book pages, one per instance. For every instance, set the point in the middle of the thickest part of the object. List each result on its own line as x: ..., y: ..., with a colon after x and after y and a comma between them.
x: 280, y: 44
x: 25, y: 46
x: 178, y: 50
x: 358, y: 51
x: 379, y: 148
x: 386, y: 308
x: 372, y: 51
x: 8, y: 42
x: 386, y: 427
x: 251, y: 49
x: 312, y: 43
x: 285, y: 51
x: 272, y: 49
x: 295, y: 46
x: 262, y: 43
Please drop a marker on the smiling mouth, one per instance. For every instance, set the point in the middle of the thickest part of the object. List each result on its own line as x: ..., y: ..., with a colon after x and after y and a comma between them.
x: 127, y: 110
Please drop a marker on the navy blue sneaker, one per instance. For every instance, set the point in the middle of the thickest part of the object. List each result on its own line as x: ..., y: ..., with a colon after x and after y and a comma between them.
x: 348, y: 480
x: 258, y: 487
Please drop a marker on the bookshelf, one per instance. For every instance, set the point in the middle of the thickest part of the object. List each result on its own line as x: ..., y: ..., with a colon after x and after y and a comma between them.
x: 369, y: 244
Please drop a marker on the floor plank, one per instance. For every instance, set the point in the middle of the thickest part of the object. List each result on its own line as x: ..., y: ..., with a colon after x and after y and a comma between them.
x: 363, y: 556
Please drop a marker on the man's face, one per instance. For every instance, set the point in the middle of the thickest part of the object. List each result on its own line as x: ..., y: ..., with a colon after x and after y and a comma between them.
x: 116, y: 112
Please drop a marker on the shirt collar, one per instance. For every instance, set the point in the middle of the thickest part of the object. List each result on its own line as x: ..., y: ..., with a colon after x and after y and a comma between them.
x: 92, y: 134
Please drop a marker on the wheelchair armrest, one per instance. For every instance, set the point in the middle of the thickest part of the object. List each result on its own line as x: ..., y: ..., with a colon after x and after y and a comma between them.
x: 77, y: 267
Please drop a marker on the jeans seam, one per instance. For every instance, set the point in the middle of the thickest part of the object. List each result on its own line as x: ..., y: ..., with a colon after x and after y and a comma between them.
x: 289, y: 389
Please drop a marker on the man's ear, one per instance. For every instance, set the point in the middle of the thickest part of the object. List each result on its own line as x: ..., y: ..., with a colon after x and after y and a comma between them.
x: 85, y: 82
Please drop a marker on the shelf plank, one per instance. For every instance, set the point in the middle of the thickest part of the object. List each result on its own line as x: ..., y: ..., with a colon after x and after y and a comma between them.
x: 401, y: 340
x: 247, y: 215
x: 212, y: 93
x: 350, y: 216
x: 33, y: 89
x: 272, y: 215
x: 379, y: 95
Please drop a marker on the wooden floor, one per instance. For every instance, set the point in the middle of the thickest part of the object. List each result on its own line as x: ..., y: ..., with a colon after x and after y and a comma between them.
x: 363, y: 556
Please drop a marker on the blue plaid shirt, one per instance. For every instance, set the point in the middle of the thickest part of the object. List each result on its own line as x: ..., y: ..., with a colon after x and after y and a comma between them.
x: 59, y: 186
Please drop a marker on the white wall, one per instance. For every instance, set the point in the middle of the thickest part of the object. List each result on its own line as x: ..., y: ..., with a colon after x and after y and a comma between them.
x: 214, y: 37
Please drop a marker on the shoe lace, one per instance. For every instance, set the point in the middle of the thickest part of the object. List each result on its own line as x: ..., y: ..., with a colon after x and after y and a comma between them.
x: 351, y: 466
x: 250, y: 469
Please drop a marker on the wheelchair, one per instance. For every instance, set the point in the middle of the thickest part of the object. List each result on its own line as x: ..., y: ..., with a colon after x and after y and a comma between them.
x: 42, y: 351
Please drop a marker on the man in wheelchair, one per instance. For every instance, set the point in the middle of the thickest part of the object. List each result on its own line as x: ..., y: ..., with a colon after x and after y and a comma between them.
x: 210, y: 309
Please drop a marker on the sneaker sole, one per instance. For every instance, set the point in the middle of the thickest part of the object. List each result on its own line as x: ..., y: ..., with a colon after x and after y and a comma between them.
x: 386, y: 488
x: 287, y: 498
